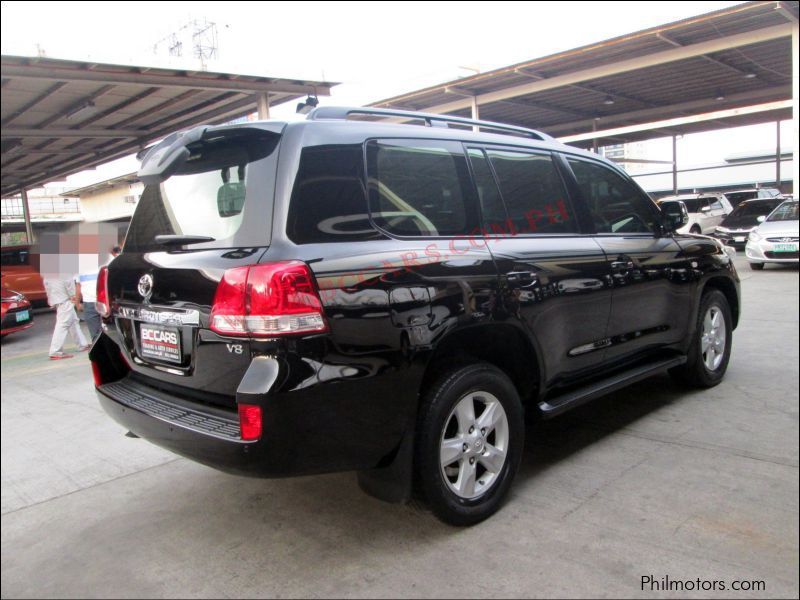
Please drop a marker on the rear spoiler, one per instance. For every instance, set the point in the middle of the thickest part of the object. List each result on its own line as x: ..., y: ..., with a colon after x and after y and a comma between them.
x: 160, y: 161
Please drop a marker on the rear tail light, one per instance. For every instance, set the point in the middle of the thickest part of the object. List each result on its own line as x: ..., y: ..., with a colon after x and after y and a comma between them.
x: 267, y: 300
x: 250, y: 421
x: 102, y: 305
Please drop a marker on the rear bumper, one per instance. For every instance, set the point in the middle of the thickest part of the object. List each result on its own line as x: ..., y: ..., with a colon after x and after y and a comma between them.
x: 206, y: 436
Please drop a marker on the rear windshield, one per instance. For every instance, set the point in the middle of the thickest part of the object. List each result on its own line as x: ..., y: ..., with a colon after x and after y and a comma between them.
x: 785, y: 212
x: 224, y: 191
x: 754, y: 208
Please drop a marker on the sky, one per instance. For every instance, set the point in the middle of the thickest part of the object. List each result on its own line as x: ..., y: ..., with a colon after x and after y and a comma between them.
x: 375, y: 49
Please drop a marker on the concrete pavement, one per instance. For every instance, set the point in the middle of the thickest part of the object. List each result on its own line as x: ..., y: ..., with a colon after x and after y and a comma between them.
x: 653, y: 480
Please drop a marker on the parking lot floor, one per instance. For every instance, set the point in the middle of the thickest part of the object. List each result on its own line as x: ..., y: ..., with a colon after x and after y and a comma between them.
x: 653, y: 480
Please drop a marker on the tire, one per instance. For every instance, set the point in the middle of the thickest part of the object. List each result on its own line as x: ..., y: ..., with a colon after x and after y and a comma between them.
x: 707, y: 361
x: 757, y: 266
x: 473, y: 485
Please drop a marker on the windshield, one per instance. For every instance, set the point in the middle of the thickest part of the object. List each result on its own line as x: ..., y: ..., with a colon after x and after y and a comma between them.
x: 785, y: 212
x: 223, y: 191
x: 754, y: 208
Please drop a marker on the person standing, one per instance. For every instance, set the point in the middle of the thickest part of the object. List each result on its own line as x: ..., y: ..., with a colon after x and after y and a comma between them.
x: 61, y: 295
x: 86, y: 292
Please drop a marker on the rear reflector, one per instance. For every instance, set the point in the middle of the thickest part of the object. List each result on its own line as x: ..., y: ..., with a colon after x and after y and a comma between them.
x: 98, y: 378
x: 267, y: 300
x: 101, y: 304
x: 250, y: 421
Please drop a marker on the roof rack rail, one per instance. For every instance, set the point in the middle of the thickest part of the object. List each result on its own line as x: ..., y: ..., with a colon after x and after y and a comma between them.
x: 430, y: 119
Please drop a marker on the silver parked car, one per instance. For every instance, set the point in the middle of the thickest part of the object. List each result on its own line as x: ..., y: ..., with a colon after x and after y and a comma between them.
x: 776, y: 239
x: 706, y: 211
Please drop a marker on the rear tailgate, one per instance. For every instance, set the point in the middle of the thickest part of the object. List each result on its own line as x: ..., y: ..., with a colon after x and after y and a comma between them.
x: 206, y: 208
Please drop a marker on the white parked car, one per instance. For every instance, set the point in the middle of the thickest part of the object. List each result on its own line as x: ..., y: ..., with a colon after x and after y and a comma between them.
x: 706, y: 211
x: 776, y: 239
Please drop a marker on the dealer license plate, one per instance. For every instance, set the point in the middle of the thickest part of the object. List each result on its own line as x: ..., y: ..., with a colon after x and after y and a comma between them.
x: 23, y: 315
x: 785, y: 248
x: 160, y: 343
x: 740, y: 238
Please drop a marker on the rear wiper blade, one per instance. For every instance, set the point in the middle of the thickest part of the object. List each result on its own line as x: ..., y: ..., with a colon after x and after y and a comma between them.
x: 180, y: 240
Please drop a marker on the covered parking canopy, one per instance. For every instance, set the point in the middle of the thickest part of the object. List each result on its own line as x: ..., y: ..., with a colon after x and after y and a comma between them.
x: 62, y: 116
x: 723, y: 69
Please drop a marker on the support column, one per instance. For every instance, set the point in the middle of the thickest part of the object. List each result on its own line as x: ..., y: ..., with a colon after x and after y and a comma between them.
x: 476, y: 113
x: 263, y: 106
x: 795, y: 109
x: 26, y: 214
x: 675, y: 165
x: 594, y: 140
x: 778, y: 154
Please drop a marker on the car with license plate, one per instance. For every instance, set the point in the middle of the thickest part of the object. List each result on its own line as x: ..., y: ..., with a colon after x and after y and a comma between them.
x: 16, y: 313
x: 775, y: 240
x: 735, y: 228
x: 348, y: 293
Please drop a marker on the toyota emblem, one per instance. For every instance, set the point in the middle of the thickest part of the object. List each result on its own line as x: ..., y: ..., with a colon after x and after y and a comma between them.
x: 145, y: 287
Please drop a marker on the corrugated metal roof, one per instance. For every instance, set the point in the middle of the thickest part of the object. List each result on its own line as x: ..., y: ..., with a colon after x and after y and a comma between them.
x: 744, y: 75
x: 45, y: 135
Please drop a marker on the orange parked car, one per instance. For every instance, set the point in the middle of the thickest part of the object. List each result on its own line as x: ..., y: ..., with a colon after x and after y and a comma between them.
x: 20, y: 272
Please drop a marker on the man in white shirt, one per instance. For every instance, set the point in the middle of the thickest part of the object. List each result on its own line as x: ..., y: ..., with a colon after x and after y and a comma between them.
x: 61, y: 295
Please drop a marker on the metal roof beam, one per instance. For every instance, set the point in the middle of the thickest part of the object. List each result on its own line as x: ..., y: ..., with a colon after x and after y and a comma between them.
x: 624, y: 66
x: 592, y: 88
x: 687, y: 120
x: 51, y: 132
x: 743, y: 97
x: 171, y: 80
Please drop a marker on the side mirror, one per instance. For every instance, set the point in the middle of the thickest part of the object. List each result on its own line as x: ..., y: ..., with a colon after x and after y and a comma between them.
x: 761, y: 218
x: 675, y: 215
x: 705, y: 209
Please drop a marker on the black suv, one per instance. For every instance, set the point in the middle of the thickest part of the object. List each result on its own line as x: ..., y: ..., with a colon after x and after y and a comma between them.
x: 358, y: 292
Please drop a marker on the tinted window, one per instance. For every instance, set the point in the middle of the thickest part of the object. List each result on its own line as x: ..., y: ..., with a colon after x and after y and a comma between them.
x: 533, y: 192
x: 493, y: 212
x: 715, y: 203
x: 329, y: 203
x: 17, y: 256
x: 615, y: 204
x: 420, y: 188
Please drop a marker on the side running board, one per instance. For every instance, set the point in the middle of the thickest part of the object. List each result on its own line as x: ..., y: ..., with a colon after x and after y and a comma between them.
x: 569, y: 400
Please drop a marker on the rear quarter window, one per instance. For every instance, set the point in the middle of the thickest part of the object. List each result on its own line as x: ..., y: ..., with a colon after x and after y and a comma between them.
x: 329, y: 200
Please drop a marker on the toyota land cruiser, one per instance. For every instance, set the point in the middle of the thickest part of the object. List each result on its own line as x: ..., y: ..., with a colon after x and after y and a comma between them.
x: 391, y: 293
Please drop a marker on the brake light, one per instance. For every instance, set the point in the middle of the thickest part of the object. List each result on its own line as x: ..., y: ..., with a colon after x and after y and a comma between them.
x: 267, y: 300
x: 250, y: 421
x: 102, y: 305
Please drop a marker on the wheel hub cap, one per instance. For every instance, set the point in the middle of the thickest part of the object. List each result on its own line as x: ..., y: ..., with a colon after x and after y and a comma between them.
x: 474, y: 444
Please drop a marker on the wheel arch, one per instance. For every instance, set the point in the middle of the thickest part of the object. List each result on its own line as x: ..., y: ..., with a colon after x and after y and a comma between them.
x: 501, y: 344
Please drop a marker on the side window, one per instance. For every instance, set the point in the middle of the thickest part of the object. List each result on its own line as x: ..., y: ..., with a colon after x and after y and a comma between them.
x: 420, y: 188
x: 493, y: 212
x: 329, y: 203
x: 533, y: 192
x: 615, y: 204
x: 715, y: 203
